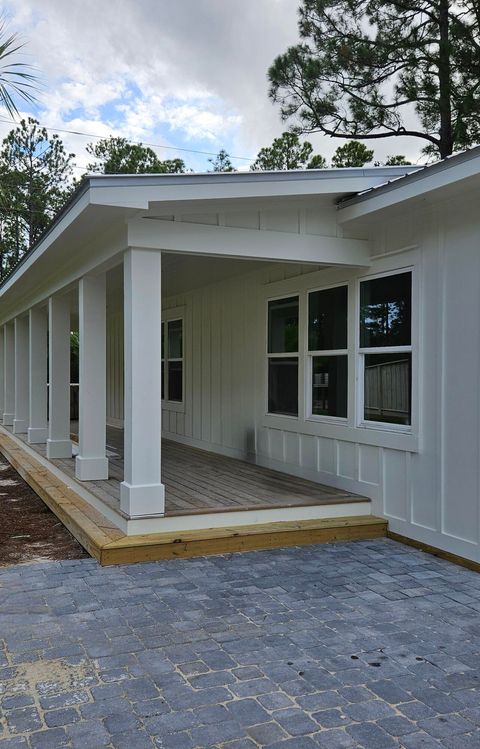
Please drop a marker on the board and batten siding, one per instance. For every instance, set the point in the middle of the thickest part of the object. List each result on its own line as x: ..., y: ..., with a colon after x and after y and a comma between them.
x: 426, y: 483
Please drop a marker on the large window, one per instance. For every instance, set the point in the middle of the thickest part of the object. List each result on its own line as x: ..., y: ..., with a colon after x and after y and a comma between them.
x: 386, y: 348
x: 327, y: 351
x: 172, y: 360
x: 282, y: 353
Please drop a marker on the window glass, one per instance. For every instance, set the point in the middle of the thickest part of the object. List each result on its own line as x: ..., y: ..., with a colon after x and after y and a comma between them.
x: 387, y: 388
x: 329, y: 385
x: 385, y: 311
x: 327, y: 319
x: 175, y: 339
x: 283, y: 325
x: 283, y: 386
x: 175, y: 379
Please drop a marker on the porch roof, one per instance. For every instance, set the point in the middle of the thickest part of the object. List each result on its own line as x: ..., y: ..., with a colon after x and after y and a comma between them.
x: 103, y: 201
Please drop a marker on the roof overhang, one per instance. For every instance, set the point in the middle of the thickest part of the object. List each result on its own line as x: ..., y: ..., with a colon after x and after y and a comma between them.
x: 434, y: 182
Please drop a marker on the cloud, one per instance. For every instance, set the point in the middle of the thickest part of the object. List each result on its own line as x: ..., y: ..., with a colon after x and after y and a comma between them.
x: 190, y: 73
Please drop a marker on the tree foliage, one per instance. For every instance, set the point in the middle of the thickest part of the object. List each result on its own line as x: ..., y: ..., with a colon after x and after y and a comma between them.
x: 364, y: 67
x: 35, y: 181
x: 119, y: 156
x: 222, y: 162
x: 352, y: 153
x: 287, y: 152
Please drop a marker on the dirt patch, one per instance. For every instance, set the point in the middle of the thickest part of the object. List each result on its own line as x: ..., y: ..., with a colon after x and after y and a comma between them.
x: 29, y: 531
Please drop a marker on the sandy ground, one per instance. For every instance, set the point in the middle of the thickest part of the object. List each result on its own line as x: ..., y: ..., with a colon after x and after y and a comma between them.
x: 28, y: 530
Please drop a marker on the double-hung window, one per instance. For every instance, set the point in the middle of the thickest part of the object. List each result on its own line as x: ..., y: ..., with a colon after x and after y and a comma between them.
x: 385, y: 349
x: 282, y: 354
x: 327, y: 352
x: 172, y: 360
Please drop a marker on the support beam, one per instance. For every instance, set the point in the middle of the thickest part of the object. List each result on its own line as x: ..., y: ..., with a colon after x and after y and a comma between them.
x: 58, y: 443
x: 20, y: 422
x: 142, y: 492
x: 253, y: 244
x: 37, y: 422
x: 91, y: 463
x: 9, y: 374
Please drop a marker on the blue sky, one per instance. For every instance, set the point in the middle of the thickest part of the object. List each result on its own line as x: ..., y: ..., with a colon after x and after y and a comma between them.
x: 185, y: 74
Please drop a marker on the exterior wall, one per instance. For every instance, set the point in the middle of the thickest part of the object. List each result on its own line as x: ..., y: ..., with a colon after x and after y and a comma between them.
x: 427, y: 482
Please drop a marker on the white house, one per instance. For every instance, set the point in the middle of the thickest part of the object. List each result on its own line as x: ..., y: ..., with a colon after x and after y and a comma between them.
x: 320, y: 324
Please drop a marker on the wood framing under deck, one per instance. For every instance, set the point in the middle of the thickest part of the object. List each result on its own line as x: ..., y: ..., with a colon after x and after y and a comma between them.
x: 109, y: 545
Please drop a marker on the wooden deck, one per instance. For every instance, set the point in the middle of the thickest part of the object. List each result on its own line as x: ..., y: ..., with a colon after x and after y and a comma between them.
x: 197, y: 481
x: 110, y: 545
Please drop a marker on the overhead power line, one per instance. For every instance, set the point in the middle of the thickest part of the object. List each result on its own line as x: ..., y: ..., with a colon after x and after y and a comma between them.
x: 130, y: 140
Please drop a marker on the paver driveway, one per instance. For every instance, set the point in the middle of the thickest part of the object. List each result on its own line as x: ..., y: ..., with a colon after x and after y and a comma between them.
x: 366, y: 644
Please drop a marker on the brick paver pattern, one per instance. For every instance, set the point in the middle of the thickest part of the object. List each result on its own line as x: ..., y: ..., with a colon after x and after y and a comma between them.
x: 368, y: 644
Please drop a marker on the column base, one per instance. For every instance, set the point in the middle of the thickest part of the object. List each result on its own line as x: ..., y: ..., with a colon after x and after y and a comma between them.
x: 36, y: 435
x: 20, y: 426
x: 91, y: 469
x: 59, y: 449
x: 140, y: 500
x: 7, y: 420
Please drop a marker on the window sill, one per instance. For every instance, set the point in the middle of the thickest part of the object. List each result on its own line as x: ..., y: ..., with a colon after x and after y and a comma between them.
x: 177, y: 406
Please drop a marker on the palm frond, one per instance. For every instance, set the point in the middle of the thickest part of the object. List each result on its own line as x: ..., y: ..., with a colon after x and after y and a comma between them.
x: 18, y: 80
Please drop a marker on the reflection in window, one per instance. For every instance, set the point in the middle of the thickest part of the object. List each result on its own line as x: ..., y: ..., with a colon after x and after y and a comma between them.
x: 175, y: 343
x: 329, y: 386
x: 283, y: 326
x: 327, y: 319
x: 385, y: 311
x: 283, y: 386
x: 387, y: 388
x: 175, y: 380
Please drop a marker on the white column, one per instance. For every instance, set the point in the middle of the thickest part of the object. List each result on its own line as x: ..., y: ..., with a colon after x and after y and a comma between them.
x: 142, y: 492
x: 20, y: 422
x: 58, y: 443
x: 2, y: 370
x: 91, y: 463
x: 37, y: 422
x: 9, y: 374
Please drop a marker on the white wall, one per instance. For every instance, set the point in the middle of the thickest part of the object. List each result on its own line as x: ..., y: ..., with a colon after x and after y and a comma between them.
x: 426, y: 483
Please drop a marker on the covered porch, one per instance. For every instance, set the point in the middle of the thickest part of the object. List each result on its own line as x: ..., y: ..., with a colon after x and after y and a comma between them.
x: 175, y: 431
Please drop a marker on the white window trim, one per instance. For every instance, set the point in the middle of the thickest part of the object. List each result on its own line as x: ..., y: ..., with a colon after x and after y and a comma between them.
x: 360, y: 354
x: 309, y: 415
x: 285, y: 355
x: 172, y: 315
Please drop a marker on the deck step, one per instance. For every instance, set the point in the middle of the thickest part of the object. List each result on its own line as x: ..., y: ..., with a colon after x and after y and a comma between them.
x: 109, y: 545
x: 155, y: 546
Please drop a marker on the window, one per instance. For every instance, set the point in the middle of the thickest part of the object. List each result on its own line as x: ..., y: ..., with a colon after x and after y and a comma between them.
x: 172, y: 360
x: 282, y: 353
x: 327, y: 351
x: 386, y: 348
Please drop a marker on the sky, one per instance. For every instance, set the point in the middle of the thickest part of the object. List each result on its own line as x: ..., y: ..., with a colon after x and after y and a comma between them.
x: 180, y: 74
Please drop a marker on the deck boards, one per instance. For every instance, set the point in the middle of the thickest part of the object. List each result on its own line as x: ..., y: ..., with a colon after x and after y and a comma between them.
x: 197, y: 481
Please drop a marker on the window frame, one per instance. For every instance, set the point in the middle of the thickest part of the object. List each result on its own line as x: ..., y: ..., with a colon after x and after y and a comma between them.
x: 362, y: 352
x: 283, y: 355
x: 170, y: 316
x: 309, y: 355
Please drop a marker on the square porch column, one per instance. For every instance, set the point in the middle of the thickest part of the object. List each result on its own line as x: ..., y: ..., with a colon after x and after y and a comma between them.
x: 59, y: 444
x: 20, y: 422
x: 9, y: 374
x: 38, y: 349
x: 91, y: 463
x: 2, y: 370
x: 142, y: 492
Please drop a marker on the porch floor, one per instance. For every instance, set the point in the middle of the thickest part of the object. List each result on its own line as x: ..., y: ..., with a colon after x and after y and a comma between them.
x: 197, y: 481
